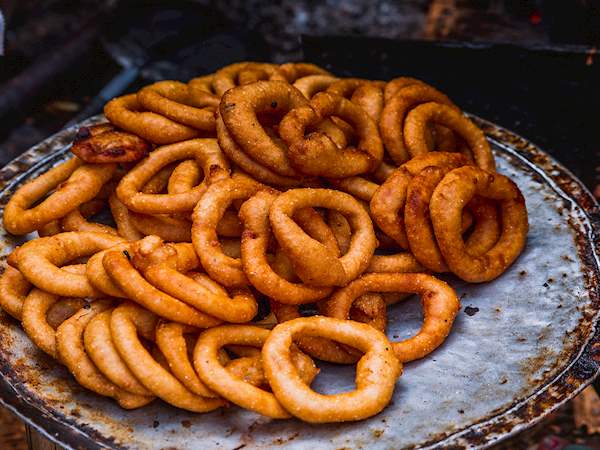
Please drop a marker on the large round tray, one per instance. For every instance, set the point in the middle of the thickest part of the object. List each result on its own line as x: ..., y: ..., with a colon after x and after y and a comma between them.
x: 526, y: 344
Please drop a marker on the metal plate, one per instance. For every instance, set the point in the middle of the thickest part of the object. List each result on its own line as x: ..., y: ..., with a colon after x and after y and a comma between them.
x: 530, y: 345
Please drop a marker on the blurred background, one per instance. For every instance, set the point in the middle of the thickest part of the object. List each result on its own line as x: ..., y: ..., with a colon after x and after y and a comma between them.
x: 529, y: 65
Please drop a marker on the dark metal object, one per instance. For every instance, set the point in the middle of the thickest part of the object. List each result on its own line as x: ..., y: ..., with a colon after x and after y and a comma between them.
x: 552, y: 376
x: 19, y: 90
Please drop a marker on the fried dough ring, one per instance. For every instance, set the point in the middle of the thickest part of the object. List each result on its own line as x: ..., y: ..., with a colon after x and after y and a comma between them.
x: 454, y: 191
x: 403, y: 262
x: 376, y: 372
x: 241, y: 159
x: 393, y: 86
x: 172, y: 344
x: 387, y: 203
x: 293, y: 71
x: 14, y: 288
x: 416, y: 125
x: 314, y: 263
x: 419, y: 230
x: 97, y: 275
x: 202, y: 90
x: 69, y: 343
x: 76, y: 220
x: 207, y: 154
x: 40, y: 261
x: 125, y: 322
x: 169, y: 228
x: 440, y: 306
x: 176, y: 101
x: 205, y: 219
x: 367, y: 94
x: 136, y: 288
x: 229, y: 386
x: 174, y: 347
x: 101, y: 350
x: 311, y: 84
x: 184, y: 177
x: 125, y: 112
x: 104, y: 143
x: 33, y: 315
x: 80, y: 183
x: 254, y: 214
x: 239, y: 108
x: 233, y: 75
x: 122, y: 217
x: 316, y: 154
x: 394, y: 115
x: 198, y: 291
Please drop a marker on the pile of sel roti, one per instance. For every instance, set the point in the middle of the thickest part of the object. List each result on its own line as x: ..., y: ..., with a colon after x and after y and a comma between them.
x: 280, y: 185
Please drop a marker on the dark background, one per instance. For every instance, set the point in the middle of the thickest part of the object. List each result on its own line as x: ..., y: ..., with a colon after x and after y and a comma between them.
x: 530, y: 66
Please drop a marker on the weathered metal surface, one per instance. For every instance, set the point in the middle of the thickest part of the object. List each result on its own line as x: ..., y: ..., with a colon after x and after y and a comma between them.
x: 521, y: 346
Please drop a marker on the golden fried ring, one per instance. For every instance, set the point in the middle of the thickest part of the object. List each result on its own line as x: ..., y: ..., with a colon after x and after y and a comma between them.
x: 76, y: 220
x: 367, y: 94
x: 312, y: 84
x: 169, y: 228
x: 62, y: 310
x: 33, y: 315
x: 69, y: 343
x: 317, y: 347
x: 394, y: 116
x: 136, y: 288
x: 254, y: 214
x: 97, y: 275
x: 104, y: 143
x: 40, y: 261
x: 121, y: 216
x: 359, y: 187
x: 81, y: 185
x: 205, y: 218
x: 172, y: 344
x: 176, y: 101
x: 416, y: 125
x: 101, y: 350
x: 219, y: 379
x: 207, y: 154
x: 239, y: 108
x: 258, y: 171
x: 369, y: 97
x: 14, y: 288
x: 393, y: 86
x: 419, y: 231
x: 294, y: 71
x: 206, y: 296
x: 456, y: 190
x: 202, y: 89
x: 314, y: 263
x: 50, y: 229
x: 125, y: 322
x: 184, y: 177
x: 376, y: 372
x: 403, y: 262
x: 174, y: 347
x: 316, y: 154
x: 125, y: 112
x: 440, y: 306
x: 233, y: 75
x: 387, y: 204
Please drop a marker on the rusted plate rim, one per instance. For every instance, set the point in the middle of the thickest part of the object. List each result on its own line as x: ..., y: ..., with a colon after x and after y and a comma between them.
x: 580, y: 371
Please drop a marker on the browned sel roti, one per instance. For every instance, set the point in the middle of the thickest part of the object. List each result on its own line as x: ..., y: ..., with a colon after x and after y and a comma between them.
x: 260, y: 187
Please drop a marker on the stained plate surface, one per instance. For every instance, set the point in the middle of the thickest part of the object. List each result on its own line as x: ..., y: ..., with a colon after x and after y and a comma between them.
x: 521, y: 345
